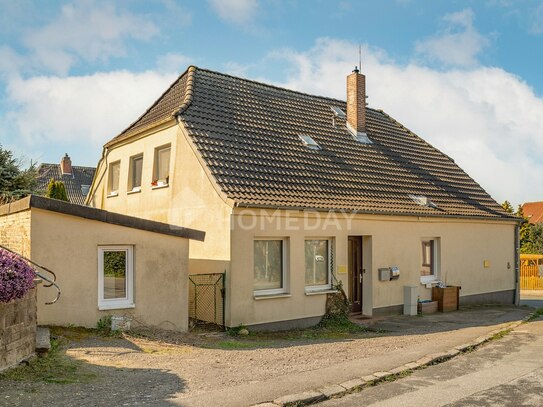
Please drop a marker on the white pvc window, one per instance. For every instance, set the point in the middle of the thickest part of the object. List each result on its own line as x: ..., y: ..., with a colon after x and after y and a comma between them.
x: 318, y: 264
x: 430, y: 260
x: 269, y: 272
x: 136, y: 166
x: 115, y: 277
x: 114, y: 175
x: 162, y: 166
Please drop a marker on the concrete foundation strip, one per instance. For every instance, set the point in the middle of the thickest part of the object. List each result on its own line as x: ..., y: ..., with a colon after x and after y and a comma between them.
x: 358, y: 384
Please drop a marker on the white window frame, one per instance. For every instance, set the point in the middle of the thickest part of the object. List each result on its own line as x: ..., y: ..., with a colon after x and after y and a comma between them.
x: 284, y: 268
x: 131, y: 174
x: 436, y: 254
x: 116, y: 303
x: 110, y: 190
x: 156, y: 166
x: 321, y: 287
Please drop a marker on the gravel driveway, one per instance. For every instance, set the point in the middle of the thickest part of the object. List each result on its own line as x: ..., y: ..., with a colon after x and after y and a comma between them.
x: 139, y: 371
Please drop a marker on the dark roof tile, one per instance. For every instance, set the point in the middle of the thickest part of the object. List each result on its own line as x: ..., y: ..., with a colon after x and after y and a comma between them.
x: 248, y: 135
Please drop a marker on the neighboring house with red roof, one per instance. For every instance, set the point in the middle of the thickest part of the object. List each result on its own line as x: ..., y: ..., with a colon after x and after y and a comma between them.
x: 76, y: 179
x: 533, y: 211
x: 297, y: 192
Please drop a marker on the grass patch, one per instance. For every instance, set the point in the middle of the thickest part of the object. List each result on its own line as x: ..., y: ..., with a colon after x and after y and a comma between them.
x: 55, y: 367
x: 331, y: 327
x: 535, y: 315
x: 500, y: 334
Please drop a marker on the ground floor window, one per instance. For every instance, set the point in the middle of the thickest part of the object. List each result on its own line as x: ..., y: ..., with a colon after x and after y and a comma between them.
x: 318, y: 263
x: 115, y: 277
x: 430, y: 260
x: 269, y: 266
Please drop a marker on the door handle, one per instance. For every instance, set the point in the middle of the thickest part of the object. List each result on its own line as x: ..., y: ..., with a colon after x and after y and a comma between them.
x: 360, y: 278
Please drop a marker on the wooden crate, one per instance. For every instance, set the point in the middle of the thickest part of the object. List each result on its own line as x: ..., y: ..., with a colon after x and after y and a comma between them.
x: 447, y: 298
x: 427, y: 307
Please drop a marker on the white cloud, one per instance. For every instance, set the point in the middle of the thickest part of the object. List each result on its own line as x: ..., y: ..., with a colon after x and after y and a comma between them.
x: 458, y: 44
x: 235, y: 11
x: 173, y: 62
x: 487, y: 119
x: 88, y: 109
x: 86, y: 32
x: 537, y: 20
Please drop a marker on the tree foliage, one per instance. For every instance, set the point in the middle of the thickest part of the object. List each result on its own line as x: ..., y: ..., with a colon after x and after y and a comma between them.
x: 56, y: 190
x: 531, y: 236
x: 15, y: 182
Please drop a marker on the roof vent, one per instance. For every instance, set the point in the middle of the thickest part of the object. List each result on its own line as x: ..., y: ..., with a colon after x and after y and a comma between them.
x: 338, y: 112
x: 359, y: 136
x: 423, y: 201
x: 309, y: 142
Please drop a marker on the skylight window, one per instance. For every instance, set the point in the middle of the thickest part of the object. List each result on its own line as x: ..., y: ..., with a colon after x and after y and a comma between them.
x: 423, y: 201
x: 309, y: 142
x: 338, y: 112
x: 359, y: 136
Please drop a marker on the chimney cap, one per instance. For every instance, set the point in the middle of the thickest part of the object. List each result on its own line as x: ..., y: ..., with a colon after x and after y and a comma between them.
x: 356, y: 70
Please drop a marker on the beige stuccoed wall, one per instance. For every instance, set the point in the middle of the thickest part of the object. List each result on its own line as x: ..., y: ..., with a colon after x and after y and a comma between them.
x: 68, y: 245
x: 389, y: 241
x: 190, y: 200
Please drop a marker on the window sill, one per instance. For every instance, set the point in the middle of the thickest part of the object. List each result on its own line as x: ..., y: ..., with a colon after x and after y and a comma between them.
x: 320, y: 292
x: 120, y: 305
x: 258, y: 297
x: 429, y: 280
x: 134, y: 191
x: 160, y: 186
x: 112, y: 194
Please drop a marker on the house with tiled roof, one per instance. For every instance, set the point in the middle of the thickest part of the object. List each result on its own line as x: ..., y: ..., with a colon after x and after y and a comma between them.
x: 77, y: 179
x: 298, y: 193
x: 533, y: 211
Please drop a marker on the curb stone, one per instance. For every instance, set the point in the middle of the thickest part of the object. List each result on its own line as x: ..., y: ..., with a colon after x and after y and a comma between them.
x: 353, y: 384
x: 307, y: 397
x: 358, y: 384
x: 334, y: 390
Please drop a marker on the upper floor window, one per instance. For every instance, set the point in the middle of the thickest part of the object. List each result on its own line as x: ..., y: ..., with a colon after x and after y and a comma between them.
x: 136, y: 165
x: 161, y: 171
x: 114, y: 174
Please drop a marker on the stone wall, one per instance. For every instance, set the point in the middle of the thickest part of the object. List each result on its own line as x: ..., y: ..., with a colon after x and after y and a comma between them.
x: 17, y: 330
x: 15, y: 232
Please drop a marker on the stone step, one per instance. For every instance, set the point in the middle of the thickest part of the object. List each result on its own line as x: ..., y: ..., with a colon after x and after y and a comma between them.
x: 43, y: 340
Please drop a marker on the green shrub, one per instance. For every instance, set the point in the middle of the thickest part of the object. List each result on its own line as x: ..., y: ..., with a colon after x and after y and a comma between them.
x: 56, y: 190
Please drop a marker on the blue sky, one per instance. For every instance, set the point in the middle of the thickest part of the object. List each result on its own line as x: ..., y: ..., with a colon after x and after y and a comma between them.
x: 464, y: 75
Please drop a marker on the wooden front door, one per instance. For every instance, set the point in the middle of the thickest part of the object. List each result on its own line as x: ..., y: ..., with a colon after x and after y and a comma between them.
x: 356, y: 272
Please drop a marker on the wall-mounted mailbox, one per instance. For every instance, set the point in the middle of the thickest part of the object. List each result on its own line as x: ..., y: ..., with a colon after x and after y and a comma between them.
x: 389, y: 273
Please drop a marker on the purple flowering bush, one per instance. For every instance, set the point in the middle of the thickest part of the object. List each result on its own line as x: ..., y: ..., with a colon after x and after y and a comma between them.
x: 16, y: 276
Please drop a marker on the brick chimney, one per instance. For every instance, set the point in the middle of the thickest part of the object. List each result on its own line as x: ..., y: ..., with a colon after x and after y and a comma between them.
x: 356, y: 101
x: 66, y: 165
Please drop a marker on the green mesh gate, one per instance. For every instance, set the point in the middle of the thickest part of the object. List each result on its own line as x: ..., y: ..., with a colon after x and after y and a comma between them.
x: 206, y: 299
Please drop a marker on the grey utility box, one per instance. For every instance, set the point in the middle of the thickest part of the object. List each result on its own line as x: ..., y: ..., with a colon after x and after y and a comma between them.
x: 410, y: 299
x: 384, y: 274
x: 389, y: 273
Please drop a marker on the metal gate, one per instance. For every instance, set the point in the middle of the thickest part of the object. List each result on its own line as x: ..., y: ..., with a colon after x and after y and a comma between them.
x: 206, y: 299
x: 531, y: 272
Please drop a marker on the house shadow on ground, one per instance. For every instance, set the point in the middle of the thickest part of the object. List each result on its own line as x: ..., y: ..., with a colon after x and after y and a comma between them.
x: 465, y: 317
x: 397, y: 325
x: 59, y: 379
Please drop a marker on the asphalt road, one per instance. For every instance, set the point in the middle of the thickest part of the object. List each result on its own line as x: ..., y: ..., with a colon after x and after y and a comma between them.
x: 505, y: 372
